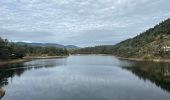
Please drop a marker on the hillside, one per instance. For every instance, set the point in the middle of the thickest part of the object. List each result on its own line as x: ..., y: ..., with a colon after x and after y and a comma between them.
x: 47, y: 45
x: 154, y: 43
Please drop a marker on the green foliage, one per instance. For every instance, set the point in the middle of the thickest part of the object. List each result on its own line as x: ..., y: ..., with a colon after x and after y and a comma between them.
x: 10, y: 50
x: 147, y: 43
x: 107, y: 49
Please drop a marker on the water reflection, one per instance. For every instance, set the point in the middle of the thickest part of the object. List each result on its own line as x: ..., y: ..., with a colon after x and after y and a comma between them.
x: 7, y: 72
x: 157, y: 73
x: 85, y: 78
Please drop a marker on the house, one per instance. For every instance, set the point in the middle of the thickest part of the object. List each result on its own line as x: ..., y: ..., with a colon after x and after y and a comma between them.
x: 166, y: 48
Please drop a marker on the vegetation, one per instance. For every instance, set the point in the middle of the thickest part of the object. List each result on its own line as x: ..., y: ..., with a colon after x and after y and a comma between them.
x: 107, y: 49
x: 10, y: 50
x: 152, y: 43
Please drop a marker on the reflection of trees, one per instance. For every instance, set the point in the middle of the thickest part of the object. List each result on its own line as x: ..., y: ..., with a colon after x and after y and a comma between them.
x: 157, y: 73
x: 5, y: 74
x: 10, y: 73
x: 12, y: 70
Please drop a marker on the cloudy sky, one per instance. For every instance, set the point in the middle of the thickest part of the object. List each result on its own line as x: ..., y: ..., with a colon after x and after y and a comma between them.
x: 79, y: 22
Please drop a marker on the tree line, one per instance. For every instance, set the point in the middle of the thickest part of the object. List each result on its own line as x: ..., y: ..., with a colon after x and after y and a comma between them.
x: 11, y: 50
x: 103, y: 49
x: 147, y: 44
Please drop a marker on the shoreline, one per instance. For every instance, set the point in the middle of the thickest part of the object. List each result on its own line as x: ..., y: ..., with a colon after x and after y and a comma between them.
x: 13, y: 61
x: 29, y: 58
x: 25, y: 59
x: 146, y: 60
x: 134, y: 59
x: 43, y: 57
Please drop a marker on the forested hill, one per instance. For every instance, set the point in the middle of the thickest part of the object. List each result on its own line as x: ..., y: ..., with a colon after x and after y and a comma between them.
x: 10, y: 50
x: 152, y: 43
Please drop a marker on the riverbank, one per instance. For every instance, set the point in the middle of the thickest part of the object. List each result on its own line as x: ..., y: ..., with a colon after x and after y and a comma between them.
x: 13, y: 61
x: 43, y: 57
x: 25, y: 59
x: 149, y: 60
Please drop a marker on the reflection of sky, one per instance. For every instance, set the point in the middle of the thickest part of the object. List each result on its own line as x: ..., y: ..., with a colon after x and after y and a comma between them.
x: 81, y: 81
x: 79, y: 22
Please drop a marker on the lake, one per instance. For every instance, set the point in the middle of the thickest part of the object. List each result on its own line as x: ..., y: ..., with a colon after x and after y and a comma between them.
x: 85, y: 77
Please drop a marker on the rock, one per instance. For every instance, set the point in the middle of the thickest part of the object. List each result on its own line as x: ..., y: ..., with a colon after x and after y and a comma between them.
x: 2, y: 93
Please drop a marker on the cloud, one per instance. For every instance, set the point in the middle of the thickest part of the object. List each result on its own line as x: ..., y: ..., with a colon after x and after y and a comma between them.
x: 89, y: 22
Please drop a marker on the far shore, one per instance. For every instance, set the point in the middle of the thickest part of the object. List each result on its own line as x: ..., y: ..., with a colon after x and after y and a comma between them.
x: 43, y: 57
x: 134, y: 59
x: 29, y: 58
x: 149, y: 60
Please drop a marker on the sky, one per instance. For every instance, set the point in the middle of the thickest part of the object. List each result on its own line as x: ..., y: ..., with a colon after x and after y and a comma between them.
x: 79, y: 22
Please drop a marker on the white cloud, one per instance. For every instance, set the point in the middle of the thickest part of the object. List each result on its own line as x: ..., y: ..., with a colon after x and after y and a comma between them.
x: 74, y: 18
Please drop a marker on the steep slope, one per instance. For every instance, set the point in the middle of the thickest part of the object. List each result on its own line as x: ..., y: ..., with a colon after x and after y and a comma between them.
x: 154, y: 43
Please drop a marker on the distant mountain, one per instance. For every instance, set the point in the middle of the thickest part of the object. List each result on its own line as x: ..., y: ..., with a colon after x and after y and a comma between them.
x: 71, y: 46
x: 153, y: 43
x: 47, y: 44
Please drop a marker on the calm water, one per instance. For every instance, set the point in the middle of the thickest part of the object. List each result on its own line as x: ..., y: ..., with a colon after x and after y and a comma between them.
x: 90, y: 77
